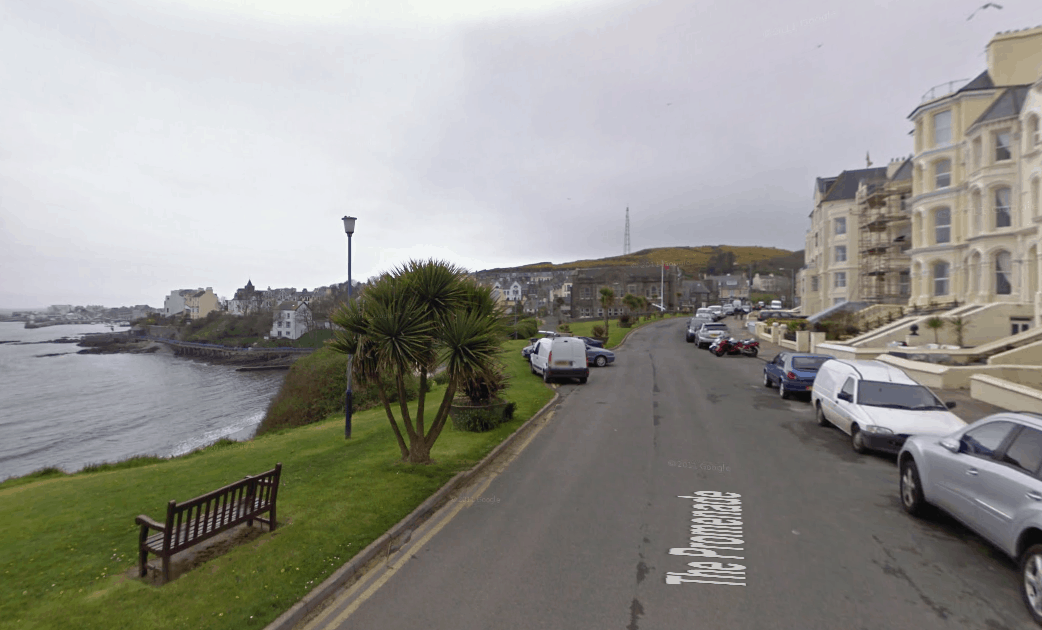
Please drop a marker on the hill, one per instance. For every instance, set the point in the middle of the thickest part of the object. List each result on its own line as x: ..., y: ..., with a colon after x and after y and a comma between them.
x: 712, y: 259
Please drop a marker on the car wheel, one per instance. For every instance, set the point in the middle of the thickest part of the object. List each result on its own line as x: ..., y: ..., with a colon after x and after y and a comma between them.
x: 601, y: 361
x: 690, y: 339
x: 1031, y: 581
x: 857, y: 440
x: 911, y: 489
x: 531, y: 366
x: 782, y: 391
x: 546, y: 376
x: 822, y: 421
x: 766, y: 379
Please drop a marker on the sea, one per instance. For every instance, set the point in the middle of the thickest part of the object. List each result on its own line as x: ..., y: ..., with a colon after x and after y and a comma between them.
x: 71, y: 410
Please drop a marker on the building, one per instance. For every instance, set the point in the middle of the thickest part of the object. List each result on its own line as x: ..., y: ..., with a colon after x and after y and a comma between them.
x: 831, y: 256
x: 199, y: 304
x: 884, y: 229
x: 290, y: 320
x: 647, y: 282
x: 729, y: 287
x: 975, y: 185
x: 174, y: 303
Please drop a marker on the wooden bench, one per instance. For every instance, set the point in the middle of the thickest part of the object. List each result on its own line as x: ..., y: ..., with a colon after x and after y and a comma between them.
x: 194, y: 521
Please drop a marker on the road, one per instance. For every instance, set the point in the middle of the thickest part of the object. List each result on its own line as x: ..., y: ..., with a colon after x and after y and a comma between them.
x: 576, y: 531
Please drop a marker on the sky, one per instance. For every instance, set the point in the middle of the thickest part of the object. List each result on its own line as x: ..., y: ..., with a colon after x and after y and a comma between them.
x: 154, y: 145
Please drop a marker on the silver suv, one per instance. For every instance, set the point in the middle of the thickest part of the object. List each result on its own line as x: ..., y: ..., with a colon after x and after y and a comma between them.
x: 986, y: 475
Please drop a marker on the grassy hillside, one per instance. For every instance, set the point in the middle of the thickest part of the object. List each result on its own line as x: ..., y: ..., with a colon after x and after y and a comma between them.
x: 693, y: 260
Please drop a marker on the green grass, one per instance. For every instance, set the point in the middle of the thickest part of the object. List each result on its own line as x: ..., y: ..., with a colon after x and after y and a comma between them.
x: 615, y: 332
x: 69, y: 544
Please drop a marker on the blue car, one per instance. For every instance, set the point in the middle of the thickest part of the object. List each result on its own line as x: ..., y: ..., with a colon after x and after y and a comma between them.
x: 793, y: 372
x: 596, y: 343
x: 599, y: 356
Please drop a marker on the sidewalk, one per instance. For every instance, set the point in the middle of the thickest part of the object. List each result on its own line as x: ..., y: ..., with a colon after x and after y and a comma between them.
x: 966, y: 407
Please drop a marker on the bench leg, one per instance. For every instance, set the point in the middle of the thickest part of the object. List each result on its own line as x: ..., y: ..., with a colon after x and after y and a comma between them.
x: 142, y: 552
x: 272, y: 523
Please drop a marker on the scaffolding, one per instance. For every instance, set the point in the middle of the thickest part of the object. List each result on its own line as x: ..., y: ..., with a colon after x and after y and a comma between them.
x: 884, y: 238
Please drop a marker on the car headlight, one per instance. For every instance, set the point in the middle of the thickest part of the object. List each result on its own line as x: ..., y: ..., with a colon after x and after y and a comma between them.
x: 872, y: 428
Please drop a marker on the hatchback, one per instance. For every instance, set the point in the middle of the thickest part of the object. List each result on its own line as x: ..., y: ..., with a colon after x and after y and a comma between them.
x: 793, y: 372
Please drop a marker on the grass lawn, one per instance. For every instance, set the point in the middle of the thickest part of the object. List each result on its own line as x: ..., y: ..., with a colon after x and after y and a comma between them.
x: 615, y: 333
x: 68, y: 543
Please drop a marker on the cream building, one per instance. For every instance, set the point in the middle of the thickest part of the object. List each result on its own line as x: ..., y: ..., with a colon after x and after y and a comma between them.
x: 199, y: 304
x: 975, y: 186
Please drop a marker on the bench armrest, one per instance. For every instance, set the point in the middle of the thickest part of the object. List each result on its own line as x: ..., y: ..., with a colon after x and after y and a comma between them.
x: 147, y: 522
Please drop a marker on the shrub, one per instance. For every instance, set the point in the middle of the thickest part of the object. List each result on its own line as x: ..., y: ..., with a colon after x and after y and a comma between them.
x: 624, y: 319
x: 598, y: 331
x: 481, y: 418
x: 565, y: 328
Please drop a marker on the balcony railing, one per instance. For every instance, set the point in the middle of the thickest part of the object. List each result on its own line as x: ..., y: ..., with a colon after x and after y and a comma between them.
x: 944, y: 89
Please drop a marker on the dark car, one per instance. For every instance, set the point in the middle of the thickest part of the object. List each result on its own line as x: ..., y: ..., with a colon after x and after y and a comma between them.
x: 599, y: 356
x: 793, y: 372
x: 596, y: 343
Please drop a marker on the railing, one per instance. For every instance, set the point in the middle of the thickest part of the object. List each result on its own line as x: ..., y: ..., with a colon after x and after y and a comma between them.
x: 943, y: 89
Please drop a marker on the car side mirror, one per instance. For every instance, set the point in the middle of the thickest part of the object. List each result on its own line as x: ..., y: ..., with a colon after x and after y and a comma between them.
x: 950, y: 404
x: 845, y: 396
x: 952, y: 445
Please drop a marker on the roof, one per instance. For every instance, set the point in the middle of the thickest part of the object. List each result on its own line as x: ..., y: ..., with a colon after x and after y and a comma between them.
x: 872, y: 370
x: 290, y: 306
x: 903, y: 172
x: 824, y: 183
x: 847, y: 183
x: 1008, y: 104
x: 981, y: 82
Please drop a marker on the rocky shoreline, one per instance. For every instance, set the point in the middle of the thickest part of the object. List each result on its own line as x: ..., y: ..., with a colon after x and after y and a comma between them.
x: 115, y: 343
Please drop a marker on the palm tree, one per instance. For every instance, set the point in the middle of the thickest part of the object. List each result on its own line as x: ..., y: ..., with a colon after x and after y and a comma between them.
x: 419, y: 318
x: 935, y: 324
x: 607, y: 301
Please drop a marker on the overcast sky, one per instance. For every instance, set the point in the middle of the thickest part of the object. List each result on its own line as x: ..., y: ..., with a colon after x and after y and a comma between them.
x: 153, y: 145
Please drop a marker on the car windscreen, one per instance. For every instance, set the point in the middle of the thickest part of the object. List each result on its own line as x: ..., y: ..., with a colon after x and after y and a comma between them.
x: 809, y: 364
x: 714, y: 326
x: 897, y: 396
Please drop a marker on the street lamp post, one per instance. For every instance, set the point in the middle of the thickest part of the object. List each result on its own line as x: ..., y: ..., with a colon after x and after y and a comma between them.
x: 349, y: 228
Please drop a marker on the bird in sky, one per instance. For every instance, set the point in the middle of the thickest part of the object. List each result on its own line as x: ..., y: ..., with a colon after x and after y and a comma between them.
x: 820, y: 45
x: 987, y: 5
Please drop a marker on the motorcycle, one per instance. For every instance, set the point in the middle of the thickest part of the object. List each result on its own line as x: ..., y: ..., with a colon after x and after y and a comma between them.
x: 747, y: 347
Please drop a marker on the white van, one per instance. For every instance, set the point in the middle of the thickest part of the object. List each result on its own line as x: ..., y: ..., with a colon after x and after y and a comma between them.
x: 878, y: 405
x: 560, y: 357
x: 776, y: 304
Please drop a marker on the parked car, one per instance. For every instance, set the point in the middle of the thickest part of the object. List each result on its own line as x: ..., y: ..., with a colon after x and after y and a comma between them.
x: 560, y: 357
x: 717, y: 311
x: 793, y: 372
x: 986, y: 475
x: 709, y: 333
x: 776, y: 304
x: 728, y: 310
x: 590, y: 341
x: 599, y: 356
x: 766, y: 314
x: 694, y: 324
x: 878, y: 405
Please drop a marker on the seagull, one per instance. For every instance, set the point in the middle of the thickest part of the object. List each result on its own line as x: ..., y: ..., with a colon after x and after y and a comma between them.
x: 989, y: 4
x: 820, y: 45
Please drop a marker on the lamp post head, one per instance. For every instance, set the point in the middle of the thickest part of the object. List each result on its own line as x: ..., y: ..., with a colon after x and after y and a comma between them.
x: 349, y: 225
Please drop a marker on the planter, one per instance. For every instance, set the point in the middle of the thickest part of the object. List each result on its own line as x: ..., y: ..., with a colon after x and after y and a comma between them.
x: 467, y: 416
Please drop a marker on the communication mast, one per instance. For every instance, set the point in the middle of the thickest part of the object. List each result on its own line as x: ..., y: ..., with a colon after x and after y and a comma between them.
x: 626, y: 245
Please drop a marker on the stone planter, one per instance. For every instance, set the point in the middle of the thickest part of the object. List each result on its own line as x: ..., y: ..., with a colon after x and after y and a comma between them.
x: 467, y: 416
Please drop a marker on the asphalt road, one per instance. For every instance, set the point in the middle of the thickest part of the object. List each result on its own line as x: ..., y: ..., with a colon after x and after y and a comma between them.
x: 575, y: 532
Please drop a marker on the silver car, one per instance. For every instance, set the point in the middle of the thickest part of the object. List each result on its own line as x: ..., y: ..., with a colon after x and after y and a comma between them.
x: 986, y: 475
x: 709, y: 333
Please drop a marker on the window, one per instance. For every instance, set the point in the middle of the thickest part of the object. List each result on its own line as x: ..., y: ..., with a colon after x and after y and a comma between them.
x: 840, y: 254
x: 1036, y: 203
x: 977, y: 153
x: 1034, y: 136
x: 942, y: 128
x: 1003, y: 272
x: 986, y: 439
x: 1002, y: 146
x: 905, y: 283
x: 943, y: 172
x: 897, y: 395
x: 815, y: 239
x: 1025, y: 451
x: 943, y: 225
x: 837, y: 301
x: 839, y: 280
x: 1003, y: 217
x: 1019, y: 325
x: 848, y: 388
x: 631, y: 289
x: 978, y: 213
x: 813, y: 283
x: 841, y: 225
x: 586, y: 293
x: 940, y: 278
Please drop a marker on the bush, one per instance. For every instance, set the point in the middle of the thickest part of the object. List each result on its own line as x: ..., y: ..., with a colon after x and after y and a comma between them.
x: 524, y: 329
x: 624, y: 319
x: 314, y: 390
x: 481, y: 418
x: 565, y: 328
x: 598, y: 331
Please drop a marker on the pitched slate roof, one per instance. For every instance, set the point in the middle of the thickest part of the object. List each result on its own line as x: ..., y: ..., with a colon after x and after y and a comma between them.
x: 903, y: 172
x: 824, y: 183
x: 847, y: 183
x: 289, y: 306
x: 981, y: 82
x: 1008, y: 104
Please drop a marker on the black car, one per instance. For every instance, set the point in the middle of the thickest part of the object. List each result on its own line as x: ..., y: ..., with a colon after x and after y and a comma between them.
x: 592, y: 342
